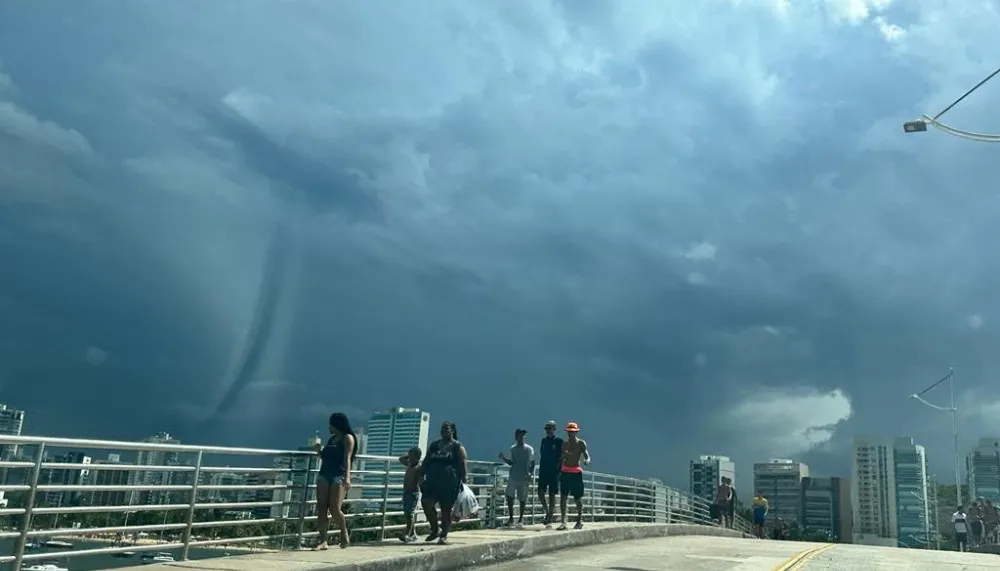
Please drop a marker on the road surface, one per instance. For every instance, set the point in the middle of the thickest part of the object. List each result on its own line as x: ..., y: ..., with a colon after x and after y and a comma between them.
x: 693, y: 553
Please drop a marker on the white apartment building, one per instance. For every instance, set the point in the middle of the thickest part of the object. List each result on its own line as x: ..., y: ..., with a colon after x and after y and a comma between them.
x: 392, y: 433
x: 780, y: 480
x: 983, y: 469
x: 707, y: 473
x: 156, y: 477
x: 889, y: 492
x: 11, y: 424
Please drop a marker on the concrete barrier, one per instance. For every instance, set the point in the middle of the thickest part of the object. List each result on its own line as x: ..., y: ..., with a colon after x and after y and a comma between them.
x: 470, y: 549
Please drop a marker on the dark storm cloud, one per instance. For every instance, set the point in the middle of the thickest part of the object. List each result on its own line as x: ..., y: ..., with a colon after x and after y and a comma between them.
x: 648, y: 211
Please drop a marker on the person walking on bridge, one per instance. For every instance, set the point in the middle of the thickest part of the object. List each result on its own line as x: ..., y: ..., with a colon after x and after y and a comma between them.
x: 522, y: 465
x: 549, y: 464
x: 575, y: 456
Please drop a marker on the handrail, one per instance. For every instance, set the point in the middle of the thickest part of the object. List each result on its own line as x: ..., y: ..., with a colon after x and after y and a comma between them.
x: 192, y: 504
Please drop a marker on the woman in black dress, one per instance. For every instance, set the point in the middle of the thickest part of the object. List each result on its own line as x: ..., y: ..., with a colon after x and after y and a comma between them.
x: 445, y: 470
x: 334, y: 479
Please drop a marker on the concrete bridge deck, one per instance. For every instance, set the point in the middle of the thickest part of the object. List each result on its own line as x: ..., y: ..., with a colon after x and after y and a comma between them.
x: 467, y: 548
x: 693, y: 553
x: 604, y: 547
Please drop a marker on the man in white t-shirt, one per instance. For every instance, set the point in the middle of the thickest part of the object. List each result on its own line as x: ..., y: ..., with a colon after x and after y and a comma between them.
x: 961, y: 523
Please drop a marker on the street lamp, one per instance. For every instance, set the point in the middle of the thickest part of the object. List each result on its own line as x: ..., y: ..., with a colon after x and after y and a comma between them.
x: 920, y: 125
x: 950, y: 377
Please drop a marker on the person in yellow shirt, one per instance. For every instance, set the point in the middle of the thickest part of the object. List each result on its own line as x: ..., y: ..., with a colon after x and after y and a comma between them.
x: 759, y: 507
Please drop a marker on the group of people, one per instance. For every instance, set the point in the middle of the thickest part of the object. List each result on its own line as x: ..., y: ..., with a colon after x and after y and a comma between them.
x: 723, y: 509
x: 434, y: 480
x: 976, y: 526
x: 560, y: 471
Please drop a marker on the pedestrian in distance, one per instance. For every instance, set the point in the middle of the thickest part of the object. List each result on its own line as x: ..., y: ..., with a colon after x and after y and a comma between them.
x: 960, y: 521
x: 522, y: 465
x: 334, y: 479
x: 575, y: 456
x: 549, y: 465
x: 760, y: 508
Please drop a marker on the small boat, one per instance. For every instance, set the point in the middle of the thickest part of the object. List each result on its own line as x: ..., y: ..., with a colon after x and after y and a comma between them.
x: 159, y: 557
x: 124, y: 554
x: 45, y: 566
x: 33, y: 545
x: 55, y: 544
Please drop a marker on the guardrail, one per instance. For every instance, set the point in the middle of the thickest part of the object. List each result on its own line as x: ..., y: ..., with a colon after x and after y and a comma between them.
x: 267, y: 502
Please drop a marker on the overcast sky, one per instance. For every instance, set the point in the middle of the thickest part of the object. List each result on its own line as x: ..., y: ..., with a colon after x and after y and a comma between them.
x: 692, y: 227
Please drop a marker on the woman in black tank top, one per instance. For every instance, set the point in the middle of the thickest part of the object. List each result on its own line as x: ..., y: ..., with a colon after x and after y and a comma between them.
x: 334, y: 478
x: 445, y: 469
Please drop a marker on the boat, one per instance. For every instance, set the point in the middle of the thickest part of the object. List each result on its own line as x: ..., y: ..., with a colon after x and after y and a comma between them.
x: 33, y: 545
x: 158, y: 557
x: 44, y: 566
x: 56, y: 544
x: 125, y: 554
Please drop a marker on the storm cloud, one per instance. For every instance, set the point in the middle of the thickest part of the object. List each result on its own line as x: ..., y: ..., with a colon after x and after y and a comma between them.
x: 692, y: 224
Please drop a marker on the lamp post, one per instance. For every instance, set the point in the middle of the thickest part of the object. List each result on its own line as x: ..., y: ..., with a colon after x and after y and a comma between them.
x: 920, y: 125
x: 950, y: 377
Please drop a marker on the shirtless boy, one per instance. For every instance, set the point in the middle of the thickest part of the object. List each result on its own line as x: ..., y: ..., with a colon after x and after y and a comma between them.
x: 411, y: 492
x: 575, y: 455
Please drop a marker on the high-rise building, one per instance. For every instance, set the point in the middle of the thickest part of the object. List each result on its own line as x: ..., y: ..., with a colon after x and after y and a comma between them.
x: 780, y: 480
x: 983, y: 468
x: 156, y: 477
x: 293, y: 471
x: 826, y: 507
x: 873, y: 492
x: 11, y: 424
x: 913, y: 512
x: 110, y: 477
x: 65, y: 477
x: 890, y: 493
x: 707, y: 473
x: 392, y: 433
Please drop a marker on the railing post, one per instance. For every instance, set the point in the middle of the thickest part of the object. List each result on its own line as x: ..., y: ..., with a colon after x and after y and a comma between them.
x: 590, y: 492
x: 385, y: 499
x: 304, y: 502
x: 635, y: 500
x: 194, y: 501
x: 29, y: 506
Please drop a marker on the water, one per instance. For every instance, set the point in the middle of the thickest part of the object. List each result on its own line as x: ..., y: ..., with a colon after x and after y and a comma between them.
x: 98, y: 562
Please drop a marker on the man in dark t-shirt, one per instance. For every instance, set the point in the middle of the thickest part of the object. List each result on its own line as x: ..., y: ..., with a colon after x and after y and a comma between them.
x: 549, y: 459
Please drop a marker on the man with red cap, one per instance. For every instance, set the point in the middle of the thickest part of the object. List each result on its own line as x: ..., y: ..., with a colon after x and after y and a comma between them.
x: 575, y: 456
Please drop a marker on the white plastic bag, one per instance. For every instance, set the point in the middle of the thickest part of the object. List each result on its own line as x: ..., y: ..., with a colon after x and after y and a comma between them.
x: 466, y: 506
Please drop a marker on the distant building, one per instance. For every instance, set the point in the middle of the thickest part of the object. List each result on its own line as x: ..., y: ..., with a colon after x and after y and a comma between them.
x: 780, y: 481
x: 101, y: 476
x: 890, y: 493
x: 158, y: 477
x: 983, y: 468
x: 707, y: 473
x: 65, y: 477
x: 392, y: 433
x: 913, y: 512
x: 11, y: 424
x: 294, y: 471
x: 826, y: 507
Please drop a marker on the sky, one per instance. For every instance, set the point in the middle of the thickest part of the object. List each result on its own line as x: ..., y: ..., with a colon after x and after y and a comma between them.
x: 692, y: 227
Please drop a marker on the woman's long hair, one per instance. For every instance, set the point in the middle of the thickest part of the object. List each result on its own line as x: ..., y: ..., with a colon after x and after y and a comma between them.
x: 340, y: 423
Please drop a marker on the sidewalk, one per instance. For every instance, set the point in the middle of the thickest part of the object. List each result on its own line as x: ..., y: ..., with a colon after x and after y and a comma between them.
x: 467, y: 549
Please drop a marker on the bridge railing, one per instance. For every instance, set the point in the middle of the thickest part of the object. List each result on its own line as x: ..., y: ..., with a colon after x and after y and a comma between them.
x: 182, y: 497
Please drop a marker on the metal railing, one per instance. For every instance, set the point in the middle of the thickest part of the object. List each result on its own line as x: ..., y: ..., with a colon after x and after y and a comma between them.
x: 267, y: 502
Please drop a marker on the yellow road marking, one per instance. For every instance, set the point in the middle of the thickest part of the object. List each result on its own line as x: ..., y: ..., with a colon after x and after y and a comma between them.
x: 798, y: 561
